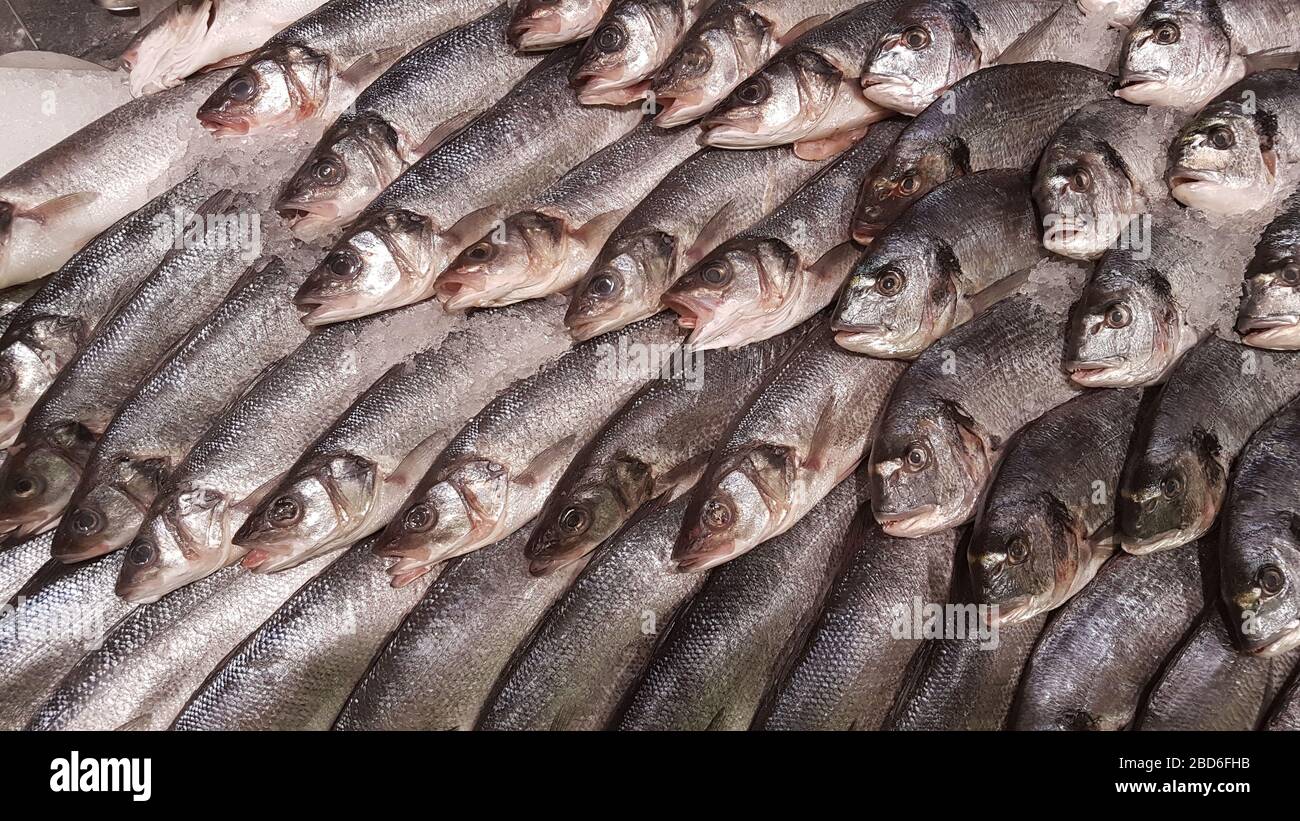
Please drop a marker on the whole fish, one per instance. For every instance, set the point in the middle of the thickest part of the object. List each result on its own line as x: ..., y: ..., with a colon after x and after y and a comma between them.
x: 407, y: 112
x: 489, y: 481
x: 548, y: 246
x: 538, y: 25
x: 1103, y: 169
x: 19, y: 562
x: 191, y: 35
x: 1259, y: 555
x: 951, y: 414
x: 1094, y: 661
x: 153, y: 430
x: 801, y: 433
x: 448, y: 199
x: 1045, y: 526
x: 1207, y: 684
x: 783, y: 268
x: 1285, y: 712
x: 1176, y: 475
x: 596, y: 640
x: 846, y: 674
x: 1269, y: 315
x: 438, y: 670
x: 728, y: 644
x: 146, y: 668
x: 1119, y: 13
x: 244, y: 453
x: 45, y: 464
x: 357, y: 474
x: 629, y: 44
x: 946, y: 259
x: 45, y: 333
x: 808, y: 93
x: 1001, y: 117
x: 1238, y: 154
x: 650, y: 452
x: 316, y: 66
x: 729, y: 42
x: 295, y: 671
x: 1183, y: 52
x: 931, y: 44
x: 697, y: 205
x: 56, y: 202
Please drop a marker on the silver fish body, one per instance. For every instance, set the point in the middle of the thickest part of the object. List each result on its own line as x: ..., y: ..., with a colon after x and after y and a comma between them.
x: 19, y: 562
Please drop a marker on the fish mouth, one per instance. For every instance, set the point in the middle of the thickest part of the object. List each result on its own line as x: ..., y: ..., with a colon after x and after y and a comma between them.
x: 865, y: 339
x: 223, y: 124
x: 1098, y: 374
x: 911, y: 524
x: 1181, y: 176
x: 460, y: 290
x: 895, y: 93
x: 693, y: 314
x: 322, y: 311
x: 680, y: 109
x: 404, y: 571
x: 1014, y: 611
x: 1277, y: 331
x: 595, y: 88
x: 1142, y: 88
x: 546, y: 565
x: 1286, y: 641
x: 70, y: 553
x: 584, y: 328
x: 719, y: 132
x: 699, y: 562
x: 536, y: 33
x: 1164, y: 540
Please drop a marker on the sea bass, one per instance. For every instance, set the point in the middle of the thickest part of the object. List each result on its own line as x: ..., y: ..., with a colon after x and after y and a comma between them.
x: 538, y: 25
x: 629, y: 44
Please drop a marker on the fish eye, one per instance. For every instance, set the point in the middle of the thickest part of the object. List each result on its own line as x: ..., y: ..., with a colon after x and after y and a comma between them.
x: 610, y: 37
x: 327, y: 170
x: 753, y: 91
x: 480, y: 252
x: 86, y: 521
x: 917, y: 457
x: 142, y: 553
x: 1080, y: 181
x: 890, y: 282
x: 419, y: 518
x: 696, y: 58
x: 495, y: 469
x: 573, y: 520
x: 241, y: 87
x: 25, y: 485
x: 715, y: 514
x: 1118, y: 315
x: 716, y: 274
x: 284, y: 511
x: 1171, y: 486
x: 1017, y: 550
x: 602, y: 286
x: 1166, y: 33
x: 1222, y: 138
x: 1290, y: 275
x: 1270, y: 579
x: 343, y: 264
x: 916, y: 38
x: 908, y: 185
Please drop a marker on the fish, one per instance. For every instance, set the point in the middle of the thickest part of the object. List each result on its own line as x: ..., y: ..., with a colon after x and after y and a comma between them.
x: 628, y: 45
x: 949, y: 418
x: 1269, y: 314
x: 804, y: 431
x: 143, y: 672
x: 252, y: 329
x: 1182, y: 53
x: 731, y: 40
x: 854, y: 659
x: 1175, y: 479
x: 650, y: 452
x: 1235, y: 156
x: 63, y: 427
x: 1259, y: 552
x: 595, y: 641
x: 488, y: 481
x: 946, y: 259
x: 19, y: 562
x: 1103, y: 169
x: 1093, y: 663
x: 702, y: 202
x: 316, y: 66
x: 547, y: 247
x: 394, y: 251
x: 1285, y: 711
x: 727, y: 645
x: 15, y: 296
x: 1119, y: 13
x: 244, y: 453
x: 189, y: 36
x: 356, y: 475
x: 439, y: 668
x: 404, y: 114
x: 1047, y: 520
x: 1207, y: 684
x: 1001, y: 117
x: 61, y: 199
x: 539, y: 25
x: 931, y: 44
x: 808, y: 94
x: 784, y: 268
x: 48, y: 330
x: 295, y: 670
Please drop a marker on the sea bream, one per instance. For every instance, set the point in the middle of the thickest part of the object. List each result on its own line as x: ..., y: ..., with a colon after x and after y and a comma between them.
x: 1269, y: 315
x: 447, y: 200
x: 629, y: 44
x: 699, y: 204
x: 783, y: 268
x: 407, y: 112
x: 538, y: 25
x: 946, y: 259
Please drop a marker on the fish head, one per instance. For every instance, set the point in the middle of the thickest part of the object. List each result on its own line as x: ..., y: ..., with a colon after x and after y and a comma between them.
x: 899, y: 299
x: 1125, y: 330
x: 527, y: 247
x: 1178, y: 53
x: 575, y: 523
x: 781, y: 103
x: 631, y: 41
x: 1118, y: 12
x: 903, y: 176
x: 278, y: 87
x: 1086, y: 196
x: 741, y: 508
x: 928, y: 47
x: 32, y: 356
x: 623, y: 285
x: 347, y: 170
x: 321, y: 504
x: 538, y: 25
x: 384, y: 263
x: 711, y: 61
x: 184, y: 538
x: 171, y: 47
x: 108, y: 507
x: 737, y: 294
x: 928, y: 469
x: 1170, y: 494
x: 1224, y: 162
x: 1269, y: 315
x: 1019, y: 554
x: 1260, y: 570
x: 38, y: 476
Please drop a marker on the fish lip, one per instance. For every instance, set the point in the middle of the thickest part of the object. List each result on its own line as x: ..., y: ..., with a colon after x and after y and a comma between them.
x: 461, y: 290
x: 546, y: 565
x: 679, y: 109
x: 62, y: 552
x: 908, y: 523
x: 691, y: 312
x: 1264, y: 323
x: 523, y: 34
x: 1095, y: 373
x: 594, y: 89
x: 700, y: 562
x: 1015, y: 611
x: 1164, y: 540
x: 1284, y: 643
x: 1180, y: 176
x: 220, y: 124
x: 1280, y: 337
x: 1138, y: 91
x: 865, y: 339
x: 582, y: 329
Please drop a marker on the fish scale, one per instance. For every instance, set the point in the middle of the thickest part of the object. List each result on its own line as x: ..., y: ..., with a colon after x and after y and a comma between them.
x: 19, y: 562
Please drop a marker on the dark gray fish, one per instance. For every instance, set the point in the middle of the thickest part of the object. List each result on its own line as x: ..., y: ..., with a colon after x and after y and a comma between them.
x: 1269, y: 316
x: 1285, y: 712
